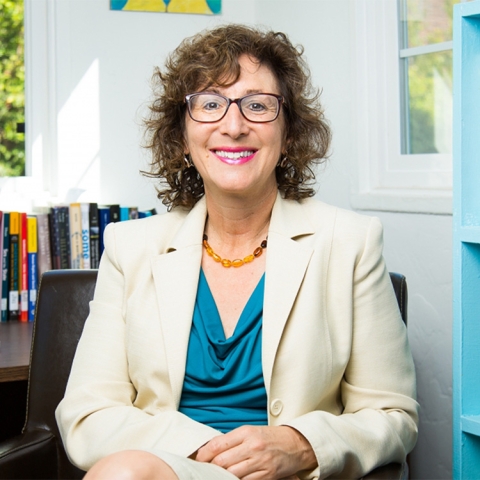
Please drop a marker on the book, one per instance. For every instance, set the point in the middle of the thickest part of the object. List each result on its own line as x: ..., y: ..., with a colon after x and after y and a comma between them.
x: 54, y: 238
x: 13, y: 293
x: 1, y: 251
x: 32, y: 249
x: 75, y: 231
x: 94, y: 235
x: 44, y: 251
x: 23, y: 268
x: 103, y: 221
x: 5, y: 232
x: 85, y: 216
x: 63, y: 235
x: 133, y: 213
x: 124, y: 214
x: 147, y: 213
x: 114, y: 213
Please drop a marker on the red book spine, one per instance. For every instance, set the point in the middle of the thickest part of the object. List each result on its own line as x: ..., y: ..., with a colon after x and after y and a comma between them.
x: 23, y: 269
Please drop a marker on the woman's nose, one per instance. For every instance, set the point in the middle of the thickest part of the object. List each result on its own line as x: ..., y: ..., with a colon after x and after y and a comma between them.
x: 234, y: 123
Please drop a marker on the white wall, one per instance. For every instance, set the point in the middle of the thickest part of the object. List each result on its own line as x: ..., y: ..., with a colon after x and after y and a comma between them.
x: 104, y: 61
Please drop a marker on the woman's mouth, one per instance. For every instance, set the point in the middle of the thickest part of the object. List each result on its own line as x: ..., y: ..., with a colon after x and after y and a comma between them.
x: 235, y: 157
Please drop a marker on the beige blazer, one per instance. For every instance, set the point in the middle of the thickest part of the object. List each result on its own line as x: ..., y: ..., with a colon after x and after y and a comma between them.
x: 336, y: 361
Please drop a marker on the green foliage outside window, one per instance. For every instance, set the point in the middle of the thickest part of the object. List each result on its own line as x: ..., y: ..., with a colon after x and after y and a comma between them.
x: 12, y: 98
x: 427, y: 120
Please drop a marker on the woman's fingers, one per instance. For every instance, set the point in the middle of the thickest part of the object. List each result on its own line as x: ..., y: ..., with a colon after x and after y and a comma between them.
x: 217, y: 446
x: 256, y: 453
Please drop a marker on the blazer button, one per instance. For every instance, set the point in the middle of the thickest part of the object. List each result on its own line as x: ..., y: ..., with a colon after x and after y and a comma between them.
x: 276, y: 407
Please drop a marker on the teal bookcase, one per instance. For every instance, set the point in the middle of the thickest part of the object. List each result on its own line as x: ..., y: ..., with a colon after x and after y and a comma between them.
x: 466, y: 221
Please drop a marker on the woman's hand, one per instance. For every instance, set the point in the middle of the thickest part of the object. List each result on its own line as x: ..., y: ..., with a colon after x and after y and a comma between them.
x: 256, y: 453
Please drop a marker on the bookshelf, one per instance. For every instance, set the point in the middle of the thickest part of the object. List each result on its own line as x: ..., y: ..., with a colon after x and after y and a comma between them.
x: 466, y: 261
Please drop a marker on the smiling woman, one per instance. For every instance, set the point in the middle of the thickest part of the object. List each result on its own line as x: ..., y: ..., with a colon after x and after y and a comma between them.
x: 212, y: 68
x: 247, y: 332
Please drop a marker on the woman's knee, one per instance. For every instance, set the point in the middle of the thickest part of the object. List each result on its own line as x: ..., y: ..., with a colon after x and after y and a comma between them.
x: 131, y: 465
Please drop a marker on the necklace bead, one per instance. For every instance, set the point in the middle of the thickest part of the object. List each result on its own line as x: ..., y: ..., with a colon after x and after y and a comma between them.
x: 238, y: 262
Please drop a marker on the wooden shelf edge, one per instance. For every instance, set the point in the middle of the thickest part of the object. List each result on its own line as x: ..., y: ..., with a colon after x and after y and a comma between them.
x: 13, y: 374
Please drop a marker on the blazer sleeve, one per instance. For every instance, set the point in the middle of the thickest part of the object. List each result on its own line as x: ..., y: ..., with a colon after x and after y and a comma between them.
x: 378, y: 424
x: 98, y: 415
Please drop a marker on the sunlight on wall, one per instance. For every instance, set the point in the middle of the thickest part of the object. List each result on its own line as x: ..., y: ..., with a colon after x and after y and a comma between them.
x: 79, y: 139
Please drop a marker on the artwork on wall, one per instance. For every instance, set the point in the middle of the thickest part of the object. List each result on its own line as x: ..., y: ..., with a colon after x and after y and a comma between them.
x: 206, y: 7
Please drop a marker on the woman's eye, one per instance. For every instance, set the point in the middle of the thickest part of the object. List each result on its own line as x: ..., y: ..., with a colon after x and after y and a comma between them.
x: 211, y: 106
x: 257, y: 107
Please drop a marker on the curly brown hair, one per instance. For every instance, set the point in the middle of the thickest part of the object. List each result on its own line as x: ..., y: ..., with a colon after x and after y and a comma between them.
x: 211, y: 58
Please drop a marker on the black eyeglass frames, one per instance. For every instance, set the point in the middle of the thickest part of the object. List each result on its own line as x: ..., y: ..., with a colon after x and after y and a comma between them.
x: 208, y: 107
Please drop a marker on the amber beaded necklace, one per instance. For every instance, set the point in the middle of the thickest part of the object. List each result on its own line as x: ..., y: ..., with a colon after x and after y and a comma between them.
x: 237, y: 262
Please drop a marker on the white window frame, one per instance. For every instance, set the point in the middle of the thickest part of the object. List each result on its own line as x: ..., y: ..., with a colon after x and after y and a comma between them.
x: 383, y: 178
x: 40, y: 181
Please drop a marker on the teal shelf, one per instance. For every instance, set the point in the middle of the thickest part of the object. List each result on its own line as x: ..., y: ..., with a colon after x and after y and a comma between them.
x: 469, y: 235
x: 471, y: 424
x: 466, y: 245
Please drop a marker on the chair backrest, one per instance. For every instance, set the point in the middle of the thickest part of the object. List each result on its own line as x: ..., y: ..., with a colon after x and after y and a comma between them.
x: 63, y: 306
x: 399, y: 283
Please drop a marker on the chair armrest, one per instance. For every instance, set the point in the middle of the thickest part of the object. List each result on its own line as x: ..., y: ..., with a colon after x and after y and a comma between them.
x: 30, y: 455
x: 392, y: 471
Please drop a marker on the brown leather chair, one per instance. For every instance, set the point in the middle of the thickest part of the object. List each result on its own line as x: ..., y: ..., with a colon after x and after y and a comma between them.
x: 61, y: 312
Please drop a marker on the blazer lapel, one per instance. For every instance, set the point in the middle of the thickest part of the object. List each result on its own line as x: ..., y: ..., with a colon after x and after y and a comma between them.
x: 287, y: 262
x: 175, y: 275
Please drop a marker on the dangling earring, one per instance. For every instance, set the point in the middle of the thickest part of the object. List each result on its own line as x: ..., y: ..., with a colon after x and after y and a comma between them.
x: 188, y: 162
x: 283, y: 162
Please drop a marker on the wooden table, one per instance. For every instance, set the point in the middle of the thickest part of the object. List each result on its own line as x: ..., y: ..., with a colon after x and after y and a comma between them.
x: 15, y: 342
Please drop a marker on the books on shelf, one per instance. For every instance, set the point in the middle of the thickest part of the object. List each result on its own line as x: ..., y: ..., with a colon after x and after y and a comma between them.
x: 67, y: 236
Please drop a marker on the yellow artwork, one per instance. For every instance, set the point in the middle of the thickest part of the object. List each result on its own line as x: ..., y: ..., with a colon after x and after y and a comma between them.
x: 144, y: 6
x: 205, y: 7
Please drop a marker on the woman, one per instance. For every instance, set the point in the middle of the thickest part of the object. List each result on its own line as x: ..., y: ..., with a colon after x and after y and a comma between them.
x: 251, y: 331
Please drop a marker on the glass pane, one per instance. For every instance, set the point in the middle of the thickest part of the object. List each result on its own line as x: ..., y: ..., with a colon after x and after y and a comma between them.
x: 426, y: 21
x: 12, y: 98
x: 429, y: 94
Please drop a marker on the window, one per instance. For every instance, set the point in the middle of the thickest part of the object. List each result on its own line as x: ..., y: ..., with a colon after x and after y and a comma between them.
x: 34, y: 183
x: 404, y: 105
x: 12, y: 97
x: 426, y: 70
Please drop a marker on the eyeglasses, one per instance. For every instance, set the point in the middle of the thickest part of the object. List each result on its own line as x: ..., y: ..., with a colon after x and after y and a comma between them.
x: 211, y: 107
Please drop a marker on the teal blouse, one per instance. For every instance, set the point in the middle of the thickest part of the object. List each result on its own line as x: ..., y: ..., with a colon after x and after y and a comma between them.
x: 223, y: 385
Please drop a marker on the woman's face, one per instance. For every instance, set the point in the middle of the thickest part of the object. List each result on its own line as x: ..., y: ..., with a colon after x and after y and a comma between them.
x: 235, y: 156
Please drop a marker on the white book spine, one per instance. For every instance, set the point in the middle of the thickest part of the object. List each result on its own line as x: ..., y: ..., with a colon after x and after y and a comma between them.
x: 85, y: 209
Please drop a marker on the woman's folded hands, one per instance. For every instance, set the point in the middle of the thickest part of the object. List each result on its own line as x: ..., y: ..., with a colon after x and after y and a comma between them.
x: 260, y: 453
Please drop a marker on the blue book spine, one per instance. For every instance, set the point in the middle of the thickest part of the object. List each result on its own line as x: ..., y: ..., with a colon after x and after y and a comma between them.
x: 32, y: 249
x: 103, y: 220
x: 5, y: 265
x: 32, y: 285
x: 124, y: 214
